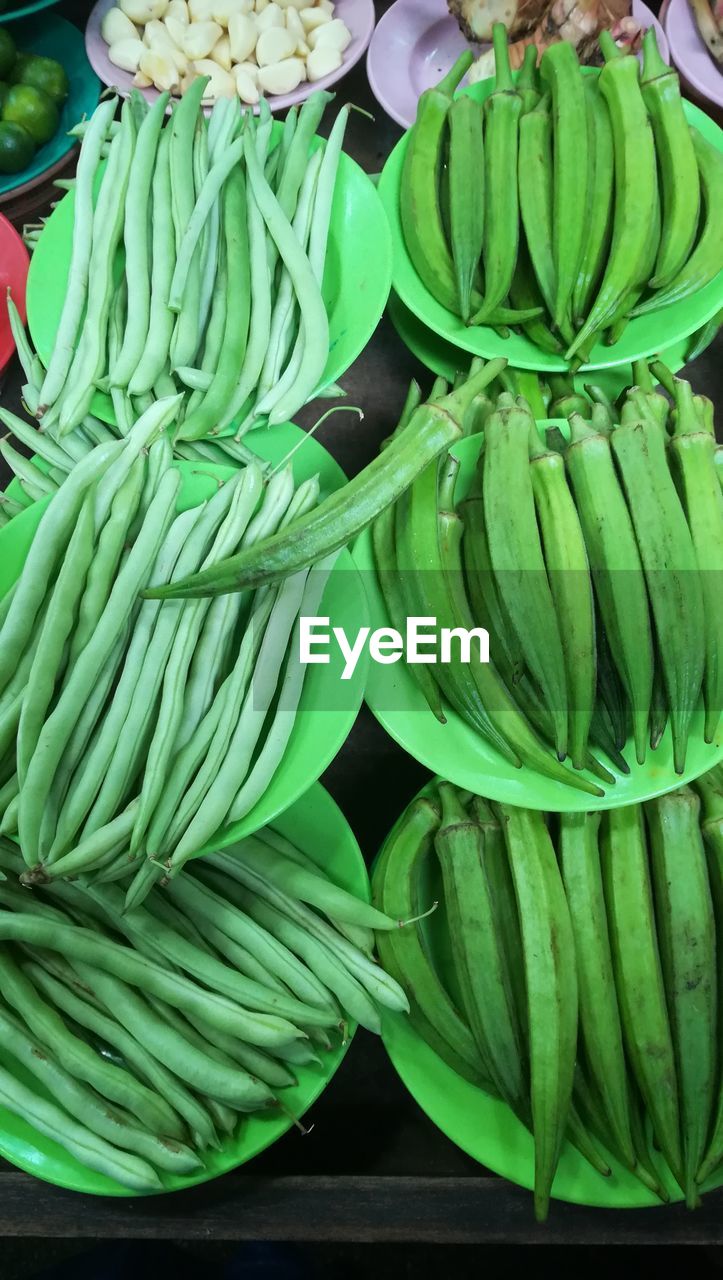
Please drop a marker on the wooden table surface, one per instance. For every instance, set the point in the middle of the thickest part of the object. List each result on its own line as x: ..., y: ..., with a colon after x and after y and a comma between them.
x: 373, y: 1168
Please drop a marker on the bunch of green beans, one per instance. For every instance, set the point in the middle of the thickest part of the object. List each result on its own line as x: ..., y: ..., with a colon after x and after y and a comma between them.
x: 132, y: 732
x: 151, y: 1032
x: 223, y: 238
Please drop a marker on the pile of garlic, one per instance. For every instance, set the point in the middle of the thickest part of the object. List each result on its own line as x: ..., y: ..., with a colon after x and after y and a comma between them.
x: 246, y: 47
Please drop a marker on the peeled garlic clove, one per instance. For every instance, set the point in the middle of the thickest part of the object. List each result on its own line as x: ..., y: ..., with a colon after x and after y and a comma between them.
x: 245, y: 86
x: 200, y: 38
x: 221, y: 53
x: 159, y: 68
x: 293, y: 4
x: 260, y: 5
x: 224, y: 9
x: 201, y: 10
x: 274, y: 45
x: 313, y: 18
x: 117, y: 26
x: 178, y: 11
x: 272, y: 16
x: 282, y: 77
x: 248, y: 68
x: 243, y: 34
x: 126, y: 54
x: 295, y: 29
x: 322, y: 62
x: 141, y: 82
x: 332, y: 35
x: 143, y: 11
x: 176, y: 30
x: 221, y: 83
x: 327, y: 5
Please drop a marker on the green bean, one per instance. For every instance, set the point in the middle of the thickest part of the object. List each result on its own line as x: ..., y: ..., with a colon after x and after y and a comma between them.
x: 137, y: 249
x: 270, y: 1070
x: 210, y: 659
x: 194, y: 895
x: 224, y: 1117
x: 76, y: 748
x: 284, y: 313
x: 163, y: 254
x: 124, y: 963
x: 92, y: 1151
x: 205, y: 202
x: 233, y: 350
x: 197, y: 379
x: 309, y: 885
x: 296, y: 158
x: 136, y: 1055
x: 196, y: 764
x: 160, y: 458
x: 102, y: 569
x: 260, y: 285
x: 246, y: 488
x: 278, y: 733
x: 78, y: 273
x: 146, y: 930
x: 30, y: 362
x: 313, y: 317
x: 291, y: 391
x: 214, y: 334
x: 120, y: 400
x: 48, y: 545
x: 94, y: 769
x: 184, y: 123
x: 88, y: 361
x: 96, y: 849
x: 83, y: 1104
x: 321, y: 960
x: 36, y: 482
x: 379, y: 984
x: 56, y: 628
x: 198, y: 1069
x: 38, y: 441
x: 361, y: 937
x: 75, y: 1055
x: 59, y: 726
x: 219, y: 796
x: 146, y: 431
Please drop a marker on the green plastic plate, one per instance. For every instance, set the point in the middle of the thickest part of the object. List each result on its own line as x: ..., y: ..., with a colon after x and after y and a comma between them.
x: 53, y: 37
x: 318, y: 827
x: 642, y: 337
x: 446, y: 360
x: 357, y: 276
x: 486, y: 1129
x: 455, y: 751
x: 328, y: 706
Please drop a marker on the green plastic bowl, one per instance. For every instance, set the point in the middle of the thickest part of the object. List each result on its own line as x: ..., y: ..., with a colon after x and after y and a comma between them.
x: 455, y: 751
x: 357, y: 276
x: 328, y: 706
x: 446, y: 361
x: 486, y: 1129
x: 318, y: 827
x: 643, y: 336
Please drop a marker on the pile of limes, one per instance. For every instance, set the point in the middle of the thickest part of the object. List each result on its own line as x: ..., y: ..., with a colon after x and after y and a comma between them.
x: 32, y: 91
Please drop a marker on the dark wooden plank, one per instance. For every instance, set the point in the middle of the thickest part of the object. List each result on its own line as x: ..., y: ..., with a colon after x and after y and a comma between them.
x: 352, y: 1209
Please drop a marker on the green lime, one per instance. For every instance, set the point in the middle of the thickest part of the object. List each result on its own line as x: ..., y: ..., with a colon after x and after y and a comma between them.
x: 16, y: 147
x: 48, y: 75
x: 7, y: 52
x: 21, y: 60
x: 3, y: 94
x: 34, y: 110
